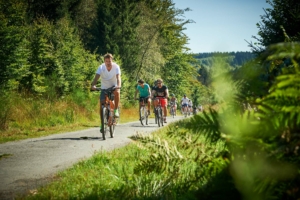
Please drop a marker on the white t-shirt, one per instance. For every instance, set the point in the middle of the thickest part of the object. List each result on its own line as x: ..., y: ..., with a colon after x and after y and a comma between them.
x: 108, y: 78
x: 185, y: 100
x: 190, y: 103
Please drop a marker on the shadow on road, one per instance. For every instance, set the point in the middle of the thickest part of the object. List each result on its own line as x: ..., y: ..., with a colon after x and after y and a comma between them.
x: 75, y: 138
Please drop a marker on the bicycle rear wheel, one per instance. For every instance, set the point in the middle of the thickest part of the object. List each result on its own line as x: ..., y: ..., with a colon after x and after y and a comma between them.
x: 105, y: 114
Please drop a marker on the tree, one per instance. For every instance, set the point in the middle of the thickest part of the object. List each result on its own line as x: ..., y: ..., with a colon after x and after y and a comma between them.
x: 278, y: 23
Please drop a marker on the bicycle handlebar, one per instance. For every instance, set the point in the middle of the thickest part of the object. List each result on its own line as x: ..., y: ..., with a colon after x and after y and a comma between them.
x: 108, y: 89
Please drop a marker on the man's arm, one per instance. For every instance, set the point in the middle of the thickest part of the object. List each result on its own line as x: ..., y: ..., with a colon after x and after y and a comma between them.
x: 118, y: 80
x: 167, y: 93
x: 149, y: 91
x: 136, y: 91
x: 152, y: 93
x: 94, y: 82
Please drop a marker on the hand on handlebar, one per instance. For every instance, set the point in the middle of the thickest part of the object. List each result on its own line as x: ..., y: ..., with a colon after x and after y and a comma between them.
x: 93, y: 87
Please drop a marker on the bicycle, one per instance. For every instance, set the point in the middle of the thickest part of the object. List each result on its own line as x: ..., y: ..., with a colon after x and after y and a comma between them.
x: 109, y: 120
x: 143, y: 111
x: 172, y: 110
x: 185, y: 111
x: 159, y: 118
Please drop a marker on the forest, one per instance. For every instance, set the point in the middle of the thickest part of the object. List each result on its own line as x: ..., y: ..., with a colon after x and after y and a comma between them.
x: 50, y: 49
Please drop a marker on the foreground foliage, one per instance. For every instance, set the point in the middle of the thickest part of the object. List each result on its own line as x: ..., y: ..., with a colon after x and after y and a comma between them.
x: 171, y: 164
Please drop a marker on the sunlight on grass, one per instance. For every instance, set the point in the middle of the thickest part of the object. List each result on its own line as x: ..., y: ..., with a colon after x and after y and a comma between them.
x: 29, y: 118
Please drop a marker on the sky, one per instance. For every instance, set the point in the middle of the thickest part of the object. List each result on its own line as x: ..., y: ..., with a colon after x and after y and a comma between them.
x: 221, y: 25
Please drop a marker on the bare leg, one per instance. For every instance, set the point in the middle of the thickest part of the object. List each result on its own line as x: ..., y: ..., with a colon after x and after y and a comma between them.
x: 149, y: 104
x: 165, y: 111
x: 117, y: 98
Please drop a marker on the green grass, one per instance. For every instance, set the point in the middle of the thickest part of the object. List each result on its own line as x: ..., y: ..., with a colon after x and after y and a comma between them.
x: 30, y: 119
x: 164, y: 165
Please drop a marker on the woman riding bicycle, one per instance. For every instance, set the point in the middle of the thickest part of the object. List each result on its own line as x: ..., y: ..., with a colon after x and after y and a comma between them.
x: 162, y: 93
x: 144, y: 90
x: 173, y: 102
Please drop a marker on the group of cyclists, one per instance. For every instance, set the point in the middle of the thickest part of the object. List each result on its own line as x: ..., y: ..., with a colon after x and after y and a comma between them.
x: 110, y: 75
x: 160, y: 93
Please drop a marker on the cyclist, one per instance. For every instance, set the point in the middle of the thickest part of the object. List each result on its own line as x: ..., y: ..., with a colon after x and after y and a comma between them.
x: 173, y: 102
x: 162, y: 93
x: 110, y: 75
x: 184, y: 104
x: 145, y: 93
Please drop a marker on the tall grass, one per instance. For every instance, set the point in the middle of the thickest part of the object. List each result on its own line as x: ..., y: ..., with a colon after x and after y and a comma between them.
x: 25, y: 116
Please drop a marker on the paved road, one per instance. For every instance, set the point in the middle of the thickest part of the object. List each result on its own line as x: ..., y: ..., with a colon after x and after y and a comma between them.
x: 32, y: 162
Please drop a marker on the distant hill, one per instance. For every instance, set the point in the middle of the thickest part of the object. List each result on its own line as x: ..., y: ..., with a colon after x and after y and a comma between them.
x: 234, y: 59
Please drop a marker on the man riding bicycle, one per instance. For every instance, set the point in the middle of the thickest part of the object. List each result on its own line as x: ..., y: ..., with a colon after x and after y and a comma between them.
x: 145, y: 93
x: 184, y: 104
x: 162, y: 93
x: 173, y: 102
x: 110, y: 75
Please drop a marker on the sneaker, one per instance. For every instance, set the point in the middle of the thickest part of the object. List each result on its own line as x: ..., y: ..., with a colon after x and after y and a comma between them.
x: 165, y: 120
x: 117, y: 113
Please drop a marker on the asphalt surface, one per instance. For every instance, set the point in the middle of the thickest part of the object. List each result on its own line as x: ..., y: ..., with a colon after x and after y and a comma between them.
x: 31, y: 163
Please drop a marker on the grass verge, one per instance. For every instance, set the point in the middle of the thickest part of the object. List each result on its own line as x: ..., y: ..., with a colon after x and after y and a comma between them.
x: 165, y: 165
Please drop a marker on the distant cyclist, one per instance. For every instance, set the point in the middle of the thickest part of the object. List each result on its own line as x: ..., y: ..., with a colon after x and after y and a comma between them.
x: 161, y: 92
x: 144, y: 90
x: 184, y: 104
x: 173, y: 102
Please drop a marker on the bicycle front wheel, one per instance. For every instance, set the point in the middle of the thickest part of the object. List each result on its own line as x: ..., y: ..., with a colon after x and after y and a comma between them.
x: 105, y: 115
x: 146, y: 116
x: 112, y: 129
x: 142, y: 115
x: 157, y: 116
x: 172, y: 112
x: 161, y: 117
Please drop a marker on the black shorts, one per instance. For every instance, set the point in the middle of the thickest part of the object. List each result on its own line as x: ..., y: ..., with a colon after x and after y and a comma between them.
x: 145, y: 99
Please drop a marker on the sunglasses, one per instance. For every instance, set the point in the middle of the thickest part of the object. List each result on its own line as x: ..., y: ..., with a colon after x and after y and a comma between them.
x: 159, y: 83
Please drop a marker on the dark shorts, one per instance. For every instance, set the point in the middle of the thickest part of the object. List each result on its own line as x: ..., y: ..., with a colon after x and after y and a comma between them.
x: 145, y: 99
x: 184, y: 105
x: 102, y: 95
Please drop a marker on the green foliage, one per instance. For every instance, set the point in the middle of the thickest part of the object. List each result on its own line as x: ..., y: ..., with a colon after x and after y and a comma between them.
x: 5, y: 107
x: 280, y: 23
